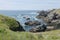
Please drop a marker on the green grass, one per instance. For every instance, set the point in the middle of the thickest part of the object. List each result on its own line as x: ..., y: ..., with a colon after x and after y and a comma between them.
x: 51, y: 35
x: 7, y: 34
x: 11, y: 22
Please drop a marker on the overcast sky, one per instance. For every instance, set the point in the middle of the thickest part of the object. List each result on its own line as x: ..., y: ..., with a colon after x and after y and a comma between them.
x: 29, y: 4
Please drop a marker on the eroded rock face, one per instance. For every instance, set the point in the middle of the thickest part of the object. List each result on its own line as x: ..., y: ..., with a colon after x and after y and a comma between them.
x: 52, y: 18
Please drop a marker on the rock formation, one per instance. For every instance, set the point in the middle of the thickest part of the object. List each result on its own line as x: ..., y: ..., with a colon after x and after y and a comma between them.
x: 32, y: 23
x: 39, y: 28
x: 52, y: 18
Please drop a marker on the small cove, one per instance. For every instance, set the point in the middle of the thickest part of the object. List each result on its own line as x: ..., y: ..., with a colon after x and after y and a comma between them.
x: 18, y: 15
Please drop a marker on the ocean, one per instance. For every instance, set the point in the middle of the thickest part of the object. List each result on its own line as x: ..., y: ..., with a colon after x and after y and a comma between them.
x: 17, y: 14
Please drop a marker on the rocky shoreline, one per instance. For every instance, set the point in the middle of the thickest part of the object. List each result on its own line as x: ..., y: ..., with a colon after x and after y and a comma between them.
x: 52, y: 18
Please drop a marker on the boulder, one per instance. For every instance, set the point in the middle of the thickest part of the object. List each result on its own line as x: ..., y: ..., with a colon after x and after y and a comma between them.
x: 32, y: 23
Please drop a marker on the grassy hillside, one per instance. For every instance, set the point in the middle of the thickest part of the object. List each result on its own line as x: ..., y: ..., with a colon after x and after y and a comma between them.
x: 9, y: 23
x: 7, y: 34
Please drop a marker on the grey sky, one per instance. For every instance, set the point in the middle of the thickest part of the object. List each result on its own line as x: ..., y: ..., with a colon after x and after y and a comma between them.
x: 28, y: 4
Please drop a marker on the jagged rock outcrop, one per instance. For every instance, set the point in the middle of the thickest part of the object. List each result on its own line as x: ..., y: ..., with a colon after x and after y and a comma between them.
x: 52, y: 18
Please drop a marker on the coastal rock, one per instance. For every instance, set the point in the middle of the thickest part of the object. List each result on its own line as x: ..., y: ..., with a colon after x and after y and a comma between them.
x: 43, y: 13
x: 39, y: 28
x: 32, y: 23
x: 52, y: 18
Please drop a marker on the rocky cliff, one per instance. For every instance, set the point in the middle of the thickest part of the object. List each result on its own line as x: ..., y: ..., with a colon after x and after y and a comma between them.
x: 51, y: 17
